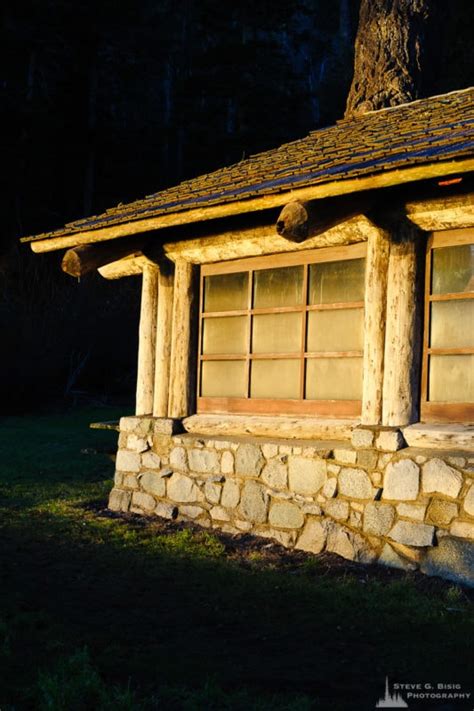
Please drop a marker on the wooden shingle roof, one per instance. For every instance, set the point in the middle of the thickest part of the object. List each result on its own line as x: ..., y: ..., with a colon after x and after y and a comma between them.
x: 427, y: 132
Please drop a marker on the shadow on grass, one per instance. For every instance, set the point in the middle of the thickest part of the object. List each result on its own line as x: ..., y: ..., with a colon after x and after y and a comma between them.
x: 171, y: 610
x: 124, y: 612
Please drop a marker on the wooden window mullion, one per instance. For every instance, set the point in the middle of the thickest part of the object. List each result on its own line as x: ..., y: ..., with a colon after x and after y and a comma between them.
x: 304, y: 321
x: 276, y: 404
x: 249, y: 333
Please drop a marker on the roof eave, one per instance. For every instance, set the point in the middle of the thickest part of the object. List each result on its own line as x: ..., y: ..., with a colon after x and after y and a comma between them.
x: 383, y: 179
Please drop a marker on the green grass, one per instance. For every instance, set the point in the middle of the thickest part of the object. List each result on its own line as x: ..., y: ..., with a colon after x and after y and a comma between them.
x: 101, y: 612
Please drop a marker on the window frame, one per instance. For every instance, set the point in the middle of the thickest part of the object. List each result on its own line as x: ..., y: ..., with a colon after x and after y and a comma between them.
x: 277, y: 406
x: 431, y: 410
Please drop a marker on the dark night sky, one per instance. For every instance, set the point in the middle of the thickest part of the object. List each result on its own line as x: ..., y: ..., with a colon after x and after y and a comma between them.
x: 106, y: 102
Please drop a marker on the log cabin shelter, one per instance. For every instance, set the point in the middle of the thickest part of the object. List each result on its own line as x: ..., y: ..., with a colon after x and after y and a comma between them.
x: 331, y: 277
x: 320, y: 291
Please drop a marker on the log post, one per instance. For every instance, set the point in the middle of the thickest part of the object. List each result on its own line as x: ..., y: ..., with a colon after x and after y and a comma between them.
x: 146, y: 341
x: 163, y: 344
x: 378, y: 250
x: 401, y: 380
x: 181, y: 378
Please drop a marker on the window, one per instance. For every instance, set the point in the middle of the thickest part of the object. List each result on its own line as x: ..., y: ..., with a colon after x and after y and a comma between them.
x: 283, y: 334
x: 448, y: 354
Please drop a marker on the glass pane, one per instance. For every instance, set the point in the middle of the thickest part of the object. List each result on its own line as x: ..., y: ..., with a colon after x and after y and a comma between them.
x: 223, y: 378
x: 334, y: 282
x: 334, y: 379
x: 278, y: 287
x: 451, y: 378
x: 226, y: 292
x: 275, y: 378
x: 276, y: 333
x: 227, y: 334
x: 336, y: 330
x: 453, y: 269
x: 452, y: 324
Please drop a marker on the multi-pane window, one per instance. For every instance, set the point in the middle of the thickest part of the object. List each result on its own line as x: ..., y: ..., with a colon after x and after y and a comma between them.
x: 448, y: 368
x: 283, y: 334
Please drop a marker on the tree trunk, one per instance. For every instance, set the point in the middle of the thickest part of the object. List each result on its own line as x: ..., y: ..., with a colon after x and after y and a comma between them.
x: 388, y: 54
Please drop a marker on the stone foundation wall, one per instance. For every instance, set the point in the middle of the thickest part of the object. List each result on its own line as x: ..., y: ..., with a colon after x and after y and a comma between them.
x: 367, y: 500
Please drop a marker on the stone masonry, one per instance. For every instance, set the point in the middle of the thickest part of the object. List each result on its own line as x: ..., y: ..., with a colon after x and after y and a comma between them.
x: 367, y: 500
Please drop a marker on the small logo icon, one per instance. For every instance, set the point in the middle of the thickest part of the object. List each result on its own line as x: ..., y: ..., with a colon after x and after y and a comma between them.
x: 391, y: 701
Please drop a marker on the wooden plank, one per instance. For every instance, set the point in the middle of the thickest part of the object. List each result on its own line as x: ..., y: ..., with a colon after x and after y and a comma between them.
x: 181, y: 386
x: 452, y: 297
x: 441, y: 436
x: 447, y: 412
x: 163, y: 344
x: 315, y: 408
x: 378, y: 251
x: 386, y: 178
x: 147, y: 342
x: 330, y: 254
x: 311, y: 428
x: 426, y: 326
x: 451, y: 238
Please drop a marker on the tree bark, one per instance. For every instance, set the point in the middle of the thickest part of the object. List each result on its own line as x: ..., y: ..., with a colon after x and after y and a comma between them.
x: 388, y: 54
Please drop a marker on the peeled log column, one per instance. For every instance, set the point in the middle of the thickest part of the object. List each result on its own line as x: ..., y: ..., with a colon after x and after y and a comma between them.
x: 181, y: 380
x: 147, y: 341
x: 378, y: 250
x: 163, y: 345
x: 400, y: 388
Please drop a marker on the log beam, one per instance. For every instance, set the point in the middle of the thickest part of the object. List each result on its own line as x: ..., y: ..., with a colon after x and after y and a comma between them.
x: 163, y: 344
x: 442, y: 212
x: 377, y: 260
x: 86, y: 258
x: 147, y: 342
x: 300, y: 220
x: 259, y: 241
x: 128, y: 266
x: 402, y: 339
x: 181, y: 382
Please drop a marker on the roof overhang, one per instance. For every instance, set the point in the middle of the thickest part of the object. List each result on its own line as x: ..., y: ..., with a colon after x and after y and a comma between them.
x: 384, y: 179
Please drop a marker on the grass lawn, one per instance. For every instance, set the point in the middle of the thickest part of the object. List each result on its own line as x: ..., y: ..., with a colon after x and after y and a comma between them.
x: 99, y: 611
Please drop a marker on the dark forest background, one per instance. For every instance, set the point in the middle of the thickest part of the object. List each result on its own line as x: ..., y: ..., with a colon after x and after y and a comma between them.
x: 104, y: 102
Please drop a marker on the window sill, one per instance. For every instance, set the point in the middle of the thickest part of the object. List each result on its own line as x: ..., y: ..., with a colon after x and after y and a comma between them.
x: 440, y: 436
x: 281, y: 426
